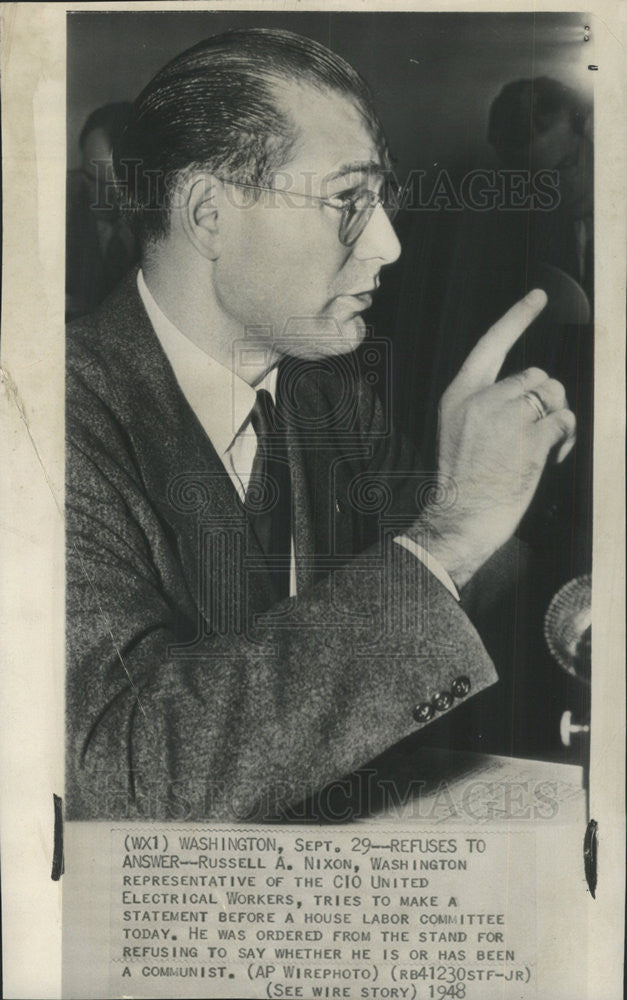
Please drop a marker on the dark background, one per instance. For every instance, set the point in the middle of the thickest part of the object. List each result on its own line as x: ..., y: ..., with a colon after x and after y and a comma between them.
x: 434, y: 77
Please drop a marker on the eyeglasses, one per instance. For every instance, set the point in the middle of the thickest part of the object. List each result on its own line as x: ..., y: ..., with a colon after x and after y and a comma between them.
x: 356, y: 207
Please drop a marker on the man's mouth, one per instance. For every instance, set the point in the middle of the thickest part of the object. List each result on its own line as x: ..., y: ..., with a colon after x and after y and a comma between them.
x: 365, y: 294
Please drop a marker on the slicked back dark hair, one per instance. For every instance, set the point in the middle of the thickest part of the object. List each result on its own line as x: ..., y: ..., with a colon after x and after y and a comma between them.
x: 216, y: 107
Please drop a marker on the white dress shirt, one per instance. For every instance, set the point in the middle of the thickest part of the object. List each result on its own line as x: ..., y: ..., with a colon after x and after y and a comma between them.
x: 222, y: 402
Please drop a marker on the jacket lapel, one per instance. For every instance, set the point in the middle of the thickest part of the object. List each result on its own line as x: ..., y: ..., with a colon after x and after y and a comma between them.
x: 189, y: 489
x: 182, y: 474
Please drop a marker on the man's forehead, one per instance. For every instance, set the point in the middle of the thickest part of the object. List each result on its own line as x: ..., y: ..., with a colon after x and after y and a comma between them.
x: 334, y: 139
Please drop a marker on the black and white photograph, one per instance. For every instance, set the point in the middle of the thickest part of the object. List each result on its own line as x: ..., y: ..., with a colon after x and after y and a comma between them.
x: 328, y: 427
x: 321, y: 490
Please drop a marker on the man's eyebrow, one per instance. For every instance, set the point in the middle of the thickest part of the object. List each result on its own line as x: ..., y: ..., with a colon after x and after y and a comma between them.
x: 357, y: 167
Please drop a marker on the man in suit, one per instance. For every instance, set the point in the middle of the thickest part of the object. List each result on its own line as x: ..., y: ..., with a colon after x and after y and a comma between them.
x: 263, y: 587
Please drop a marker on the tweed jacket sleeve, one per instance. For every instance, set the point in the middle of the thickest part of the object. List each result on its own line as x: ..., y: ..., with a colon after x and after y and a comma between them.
x: 190, y: 693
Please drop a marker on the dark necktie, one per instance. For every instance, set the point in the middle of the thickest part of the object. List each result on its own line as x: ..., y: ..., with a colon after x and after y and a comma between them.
x: 269, y: 495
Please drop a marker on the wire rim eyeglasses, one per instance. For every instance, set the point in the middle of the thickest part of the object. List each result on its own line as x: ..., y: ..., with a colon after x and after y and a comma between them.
x: 357, y: 209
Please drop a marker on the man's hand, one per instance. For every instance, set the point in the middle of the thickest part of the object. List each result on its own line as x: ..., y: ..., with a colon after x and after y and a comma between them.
x: 493, y: 445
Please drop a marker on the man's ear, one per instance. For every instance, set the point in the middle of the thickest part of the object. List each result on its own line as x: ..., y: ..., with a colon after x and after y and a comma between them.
x: 199, y: 213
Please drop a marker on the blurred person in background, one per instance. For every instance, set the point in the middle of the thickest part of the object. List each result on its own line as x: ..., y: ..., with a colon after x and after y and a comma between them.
x: 542, y: 124
x: 100, y: 246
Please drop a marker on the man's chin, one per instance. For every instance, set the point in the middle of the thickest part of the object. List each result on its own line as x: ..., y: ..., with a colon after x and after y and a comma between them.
x: 353, y: 331
x: 323, y: 336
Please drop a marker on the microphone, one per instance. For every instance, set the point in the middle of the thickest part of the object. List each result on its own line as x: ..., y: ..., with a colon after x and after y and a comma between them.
x: 568, y: 626
x: 567, y: 630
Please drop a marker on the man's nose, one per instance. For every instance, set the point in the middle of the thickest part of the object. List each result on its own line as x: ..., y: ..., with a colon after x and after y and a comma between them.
x: 378, y: 239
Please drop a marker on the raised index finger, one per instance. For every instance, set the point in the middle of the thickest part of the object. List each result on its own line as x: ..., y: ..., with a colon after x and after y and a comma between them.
x: 486, y: 359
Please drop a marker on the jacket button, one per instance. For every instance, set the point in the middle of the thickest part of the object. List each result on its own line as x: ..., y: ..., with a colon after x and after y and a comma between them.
x: 442, y: 701
x: 461, y: 686
x: 423, y: 712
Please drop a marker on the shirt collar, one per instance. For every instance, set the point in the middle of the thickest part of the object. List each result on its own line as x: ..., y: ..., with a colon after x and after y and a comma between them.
x: 221, y: 400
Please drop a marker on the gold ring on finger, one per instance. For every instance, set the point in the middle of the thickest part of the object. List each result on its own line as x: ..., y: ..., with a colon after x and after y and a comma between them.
x: 537, y: 403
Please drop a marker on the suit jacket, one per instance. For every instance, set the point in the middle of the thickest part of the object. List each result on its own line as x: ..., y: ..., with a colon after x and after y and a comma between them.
x: 192, y: 693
